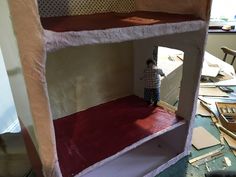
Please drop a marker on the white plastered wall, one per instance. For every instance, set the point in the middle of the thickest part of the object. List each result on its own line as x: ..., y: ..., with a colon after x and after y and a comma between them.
x: 82, y: 77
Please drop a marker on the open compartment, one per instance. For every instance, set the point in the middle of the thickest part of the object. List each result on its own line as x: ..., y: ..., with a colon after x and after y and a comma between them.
x: 146, y: 160
x: 94, y: 137
x: 98, y: 115
x: 75, y: 23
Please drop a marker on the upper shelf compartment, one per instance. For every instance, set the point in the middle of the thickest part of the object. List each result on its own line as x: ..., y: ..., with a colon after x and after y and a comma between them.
x: 102, y: 21
x: 79, y: 30
x: 92, y: 22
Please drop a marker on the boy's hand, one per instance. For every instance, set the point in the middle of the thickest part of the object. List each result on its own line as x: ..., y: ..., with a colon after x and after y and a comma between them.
x: 163, y: 75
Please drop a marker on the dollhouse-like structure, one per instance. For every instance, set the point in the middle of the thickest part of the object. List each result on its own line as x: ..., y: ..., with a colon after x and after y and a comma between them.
x: 78, y: 92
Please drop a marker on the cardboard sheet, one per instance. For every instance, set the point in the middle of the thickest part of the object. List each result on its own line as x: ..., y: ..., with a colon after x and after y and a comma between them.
x: 212, y: 91
x: 203, y: 139
x: 201, y: 110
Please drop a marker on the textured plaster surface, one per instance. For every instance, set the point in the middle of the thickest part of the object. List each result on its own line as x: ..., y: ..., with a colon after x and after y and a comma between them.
x: 32, y: 51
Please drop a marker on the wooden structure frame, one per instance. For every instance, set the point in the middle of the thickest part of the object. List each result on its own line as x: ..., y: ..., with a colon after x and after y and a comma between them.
x: 25, y: 46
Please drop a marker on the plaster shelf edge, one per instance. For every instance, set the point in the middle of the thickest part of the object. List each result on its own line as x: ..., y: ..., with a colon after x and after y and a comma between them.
x: 59, y: 40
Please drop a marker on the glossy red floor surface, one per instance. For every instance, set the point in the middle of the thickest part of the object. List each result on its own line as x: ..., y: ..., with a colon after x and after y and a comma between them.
x: 111, y: 20
x: 92, y: 135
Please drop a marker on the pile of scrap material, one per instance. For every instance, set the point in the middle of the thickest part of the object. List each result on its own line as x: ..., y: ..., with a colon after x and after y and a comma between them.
x: 225, y: 126
x: 222, y: 111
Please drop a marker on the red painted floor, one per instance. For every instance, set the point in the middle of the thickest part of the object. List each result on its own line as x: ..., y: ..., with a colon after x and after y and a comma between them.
x: 111, y: 20
x: 92, y: 135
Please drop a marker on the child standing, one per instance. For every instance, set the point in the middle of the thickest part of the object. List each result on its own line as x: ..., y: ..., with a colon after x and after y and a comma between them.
x: 152, y: 82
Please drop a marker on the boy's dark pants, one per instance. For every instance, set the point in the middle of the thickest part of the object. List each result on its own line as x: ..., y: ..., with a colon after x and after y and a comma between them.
x: 152, y: 95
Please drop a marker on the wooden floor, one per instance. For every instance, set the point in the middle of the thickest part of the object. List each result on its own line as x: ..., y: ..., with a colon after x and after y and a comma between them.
x: 89, y: 136
x: 111, y: 20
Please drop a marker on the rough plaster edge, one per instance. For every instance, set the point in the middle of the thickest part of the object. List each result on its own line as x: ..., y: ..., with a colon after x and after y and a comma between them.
x: 167, y: 164
x: 188, y: 143
x: 133, y: 146
x: 32, y: 52
x: 58, y: 40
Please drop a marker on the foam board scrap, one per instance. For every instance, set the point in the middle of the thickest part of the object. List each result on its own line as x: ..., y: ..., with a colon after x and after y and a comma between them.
x: 212, y: 91
x: 211, y: 70
x: 203, y: 139
x: 202, y: 111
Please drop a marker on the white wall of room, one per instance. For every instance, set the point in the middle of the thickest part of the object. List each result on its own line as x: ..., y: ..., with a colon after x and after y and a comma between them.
x: 217, y: 40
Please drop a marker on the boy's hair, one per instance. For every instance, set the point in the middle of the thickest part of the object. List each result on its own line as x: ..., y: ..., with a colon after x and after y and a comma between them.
x: 149, y: 61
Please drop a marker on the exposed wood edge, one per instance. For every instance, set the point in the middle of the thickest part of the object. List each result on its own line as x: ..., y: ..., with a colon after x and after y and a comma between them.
x: 167, y: 106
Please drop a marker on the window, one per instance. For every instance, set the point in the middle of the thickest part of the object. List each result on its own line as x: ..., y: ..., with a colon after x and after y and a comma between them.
x: 223, y: 13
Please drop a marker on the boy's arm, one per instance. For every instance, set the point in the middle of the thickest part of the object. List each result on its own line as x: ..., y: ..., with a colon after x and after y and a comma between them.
x: 159, y: 71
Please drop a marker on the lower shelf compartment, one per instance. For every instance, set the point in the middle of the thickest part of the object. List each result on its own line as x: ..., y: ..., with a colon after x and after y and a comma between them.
x: 102, y: 133
x: 143, y: 160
